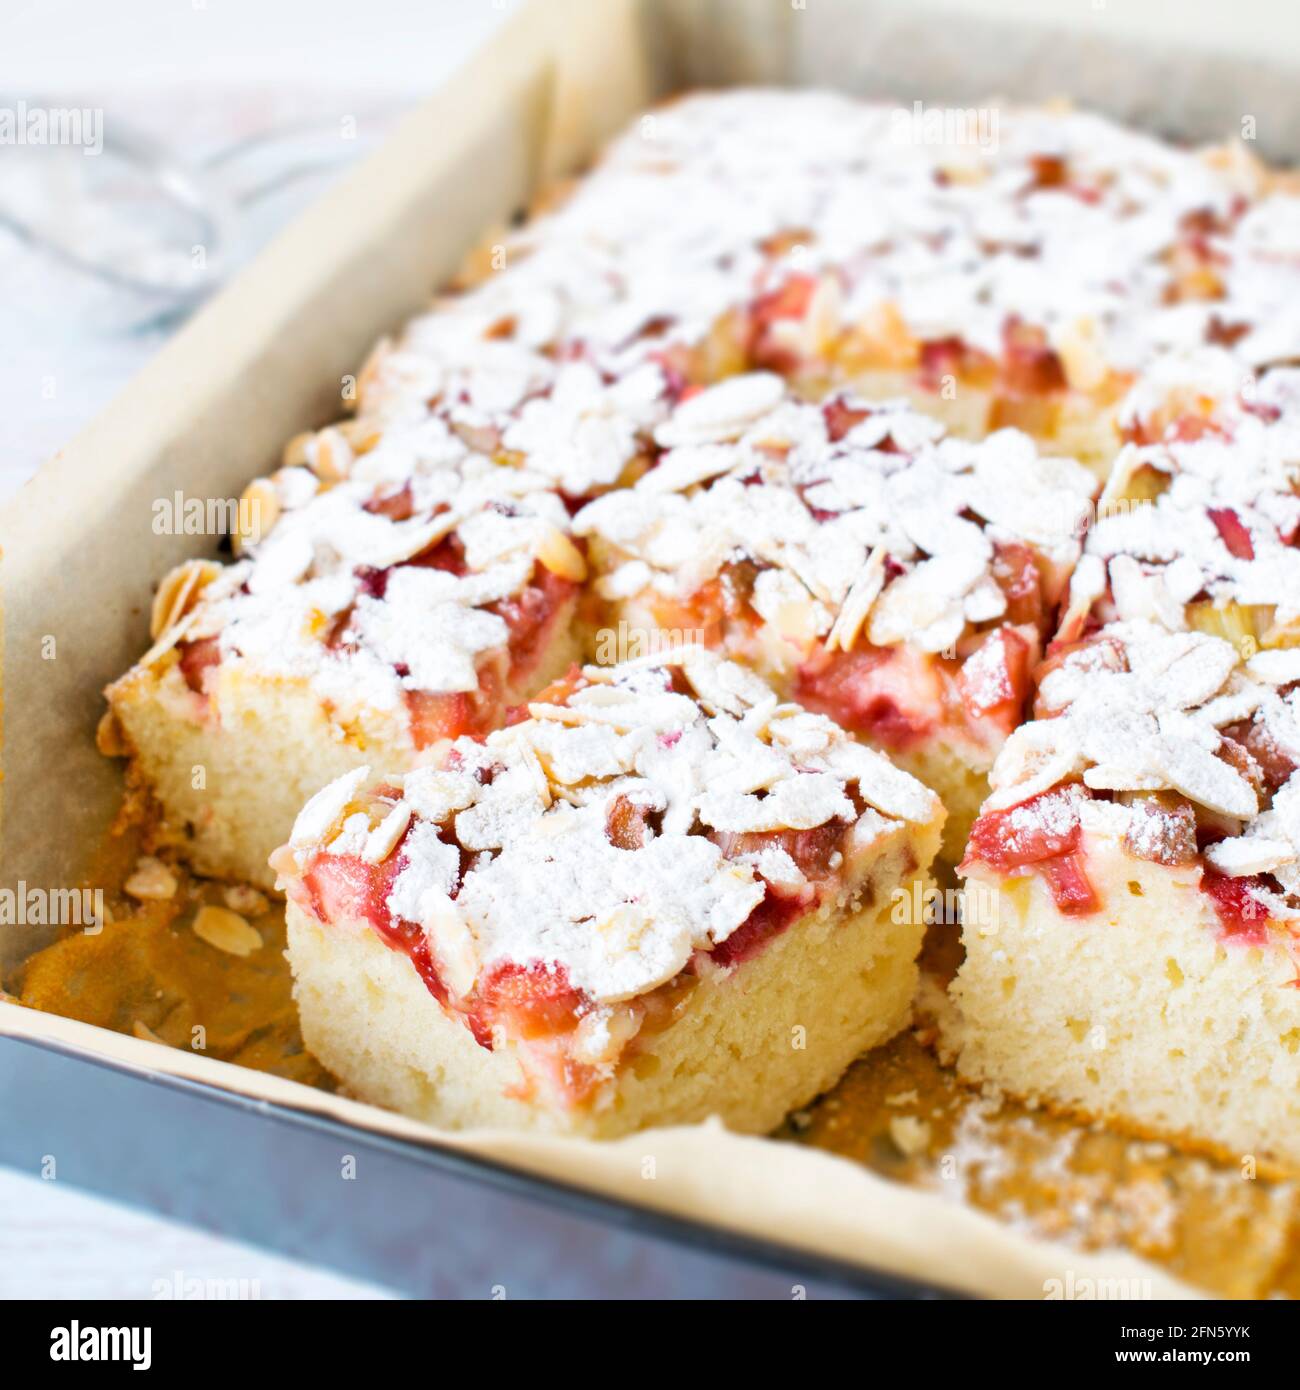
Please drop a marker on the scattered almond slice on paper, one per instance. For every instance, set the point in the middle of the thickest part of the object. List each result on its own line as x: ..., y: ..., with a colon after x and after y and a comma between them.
x: 912, y: 1136
x: 151, y: 881
x: 227, y: 931
x: 244, y: 899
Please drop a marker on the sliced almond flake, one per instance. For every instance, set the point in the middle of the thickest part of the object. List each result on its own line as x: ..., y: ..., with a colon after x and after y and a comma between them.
x: 527, y: 755
x: 1276, y: 905
x: 624, y: 714
x: 1206, y: 779
x: 801, y: 566
x: 787, y: 606
x: 320, y: 815
x: 797, y: 803
x: 451, y: 941
x: 151, y: 880
x: 1086, y: 587
x: 559, y: 554
x: 110, y: 737
x: 1249, y: 854
x: 882, y: 785
x: 244, y: 899
x: 721, y: 412
x: 775, y: 866
x: 1121, y: 779
x: 1278, y: 667
x: 857, y: 603
x: 1187, y: 669
x: 166, y: 641
x: 723, y: 685
x: 1141, y: 596
x: 436, y: 793
x: 226, y: 930
x: 257, y: 512
x: 1045, y: 774
x: 178, y: 592
x: 382, y: 840
x: 682, y: 468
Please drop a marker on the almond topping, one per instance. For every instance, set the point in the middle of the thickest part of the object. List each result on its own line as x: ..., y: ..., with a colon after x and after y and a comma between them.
x: 110, y: 738
x: 383, y: 839
x: 240, y: 897
x: 227, y: 931
x: 151, y: 881
x: 178, y: 593
x: 1077, y: 347
x: 601, y: 1036
x: 295, y: 451
x: 329, y: 455
x: 259, y: 508
x: 559, y: 554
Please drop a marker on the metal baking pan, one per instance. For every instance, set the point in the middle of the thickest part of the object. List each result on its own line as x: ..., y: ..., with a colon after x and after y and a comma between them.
x: 224, y: 1148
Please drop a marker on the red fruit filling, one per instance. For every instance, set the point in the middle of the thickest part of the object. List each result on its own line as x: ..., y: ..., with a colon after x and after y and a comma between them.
x: 1015, y: 571
x: 1241, y: 915
x: 868, y: 691
x: 530, y: 616
x: 434, y: 717
x: 1029, y: 365
x: 941, y: 357
x: 533, y: 1001
x: 343, y: 887
x: 196, y: 659
x: 994, y: 680
x: 788, y: 301
x: 1042, y: 833
x: 1232, y: 532
x: 768, y: 920
x: 841, y: 418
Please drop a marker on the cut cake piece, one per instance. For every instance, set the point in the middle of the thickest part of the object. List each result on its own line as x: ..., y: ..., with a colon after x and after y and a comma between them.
x: 1134, y: 952
x: 900, y: 581
x: 412, y: 597
x: 662, y: 896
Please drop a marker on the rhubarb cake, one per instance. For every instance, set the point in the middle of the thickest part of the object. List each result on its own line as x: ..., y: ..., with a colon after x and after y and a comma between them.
x: 1020, y: 267
x: 388, y: 597
x: 1137, y: 955
x: 899, y: 580
x: 660, y: 896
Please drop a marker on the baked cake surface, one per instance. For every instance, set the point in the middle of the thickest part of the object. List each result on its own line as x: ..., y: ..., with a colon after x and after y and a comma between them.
x: 663, y: 895
x: 897, y: 579
x: 1022, y: 275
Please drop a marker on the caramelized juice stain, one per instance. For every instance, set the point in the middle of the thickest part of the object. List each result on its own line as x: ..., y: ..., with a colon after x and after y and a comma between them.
x: 902, y: 1114
x: 148, y: 975
x: 897, y: 1111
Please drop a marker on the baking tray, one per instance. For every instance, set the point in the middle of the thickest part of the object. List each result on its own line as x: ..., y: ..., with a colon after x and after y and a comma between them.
x: 258, y: 1156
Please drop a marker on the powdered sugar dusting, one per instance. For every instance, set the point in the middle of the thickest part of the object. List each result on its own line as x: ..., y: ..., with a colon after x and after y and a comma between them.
x: 626, y: 852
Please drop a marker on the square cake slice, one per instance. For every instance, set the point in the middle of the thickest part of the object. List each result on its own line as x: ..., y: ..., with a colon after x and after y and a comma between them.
x: 898, y: 580
x: 385, y: 600
x: 1133, y: 943
x: 662, y: 896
